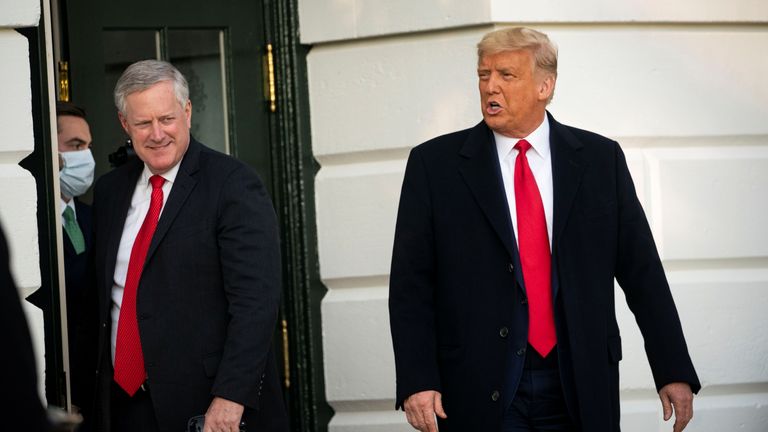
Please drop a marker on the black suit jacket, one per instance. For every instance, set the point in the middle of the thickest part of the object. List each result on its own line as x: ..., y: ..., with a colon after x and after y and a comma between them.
x: 18, y: 361
x: 79, y: 295
x: 78, y: 277
x: 458, y: 311
x: 209, y: 292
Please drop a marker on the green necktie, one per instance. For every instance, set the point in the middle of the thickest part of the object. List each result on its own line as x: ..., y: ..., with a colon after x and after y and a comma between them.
x: 73, y: 231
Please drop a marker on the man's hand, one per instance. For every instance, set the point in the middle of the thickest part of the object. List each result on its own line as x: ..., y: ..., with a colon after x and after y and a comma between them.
x: 421, y: 407
x: 223, y: 416
x: 679, y: 396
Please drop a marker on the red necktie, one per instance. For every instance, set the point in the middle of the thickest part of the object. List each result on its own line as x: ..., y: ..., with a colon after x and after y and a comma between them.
x: 129, y: 360
x: 533, y: 242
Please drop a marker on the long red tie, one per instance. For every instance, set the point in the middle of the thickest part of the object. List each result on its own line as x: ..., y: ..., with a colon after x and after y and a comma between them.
x: 129, y: 359
x: 533, y: 243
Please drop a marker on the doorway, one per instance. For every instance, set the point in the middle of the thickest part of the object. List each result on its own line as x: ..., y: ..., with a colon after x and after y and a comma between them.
x: 222, y: 48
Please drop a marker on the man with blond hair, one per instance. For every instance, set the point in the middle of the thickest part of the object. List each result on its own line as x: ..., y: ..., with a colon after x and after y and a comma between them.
x: 509, y: 236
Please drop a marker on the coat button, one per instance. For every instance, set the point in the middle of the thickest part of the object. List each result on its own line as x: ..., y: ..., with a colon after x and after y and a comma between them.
x: 495, y: 395
x: 520, y: 352
x: 503, y: 332
x: 511, y: 268
x: 524, y: 300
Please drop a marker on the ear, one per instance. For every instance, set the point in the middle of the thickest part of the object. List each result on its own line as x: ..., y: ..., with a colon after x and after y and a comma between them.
x: 188, y: 113
x: 123, y: 122
x: 546, y: 87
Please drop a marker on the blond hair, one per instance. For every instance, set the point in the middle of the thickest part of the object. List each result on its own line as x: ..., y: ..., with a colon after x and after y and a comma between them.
x: 521, y: 38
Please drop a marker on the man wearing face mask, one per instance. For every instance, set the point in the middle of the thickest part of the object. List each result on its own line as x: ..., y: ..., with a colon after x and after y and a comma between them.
x: 76, y: 167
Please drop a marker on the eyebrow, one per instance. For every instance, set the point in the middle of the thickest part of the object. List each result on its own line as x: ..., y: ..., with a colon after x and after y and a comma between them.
x: 75, y: 141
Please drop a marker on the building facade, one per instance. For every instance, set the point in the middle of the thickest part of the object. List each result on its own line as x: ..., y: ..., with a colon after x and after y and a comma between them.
x: 680, y: 85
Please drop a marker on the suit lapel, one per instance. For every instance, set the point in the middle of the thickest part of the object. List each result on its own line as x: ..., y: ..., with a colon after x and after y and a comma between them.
x: 119, y: 203
x: 568, y: 166
x: 182, y: 186
x: 480, y: 171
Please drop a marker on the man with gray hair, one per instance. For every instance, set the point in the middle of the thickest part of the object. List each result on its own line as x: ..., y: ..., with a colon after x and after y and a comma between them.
x: 509, y: 237
x: 187, y: 266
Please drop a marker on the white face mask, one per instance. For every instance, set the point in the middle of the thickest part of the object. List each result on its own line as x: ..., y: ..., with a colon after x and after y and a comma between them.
x: 77, y: 174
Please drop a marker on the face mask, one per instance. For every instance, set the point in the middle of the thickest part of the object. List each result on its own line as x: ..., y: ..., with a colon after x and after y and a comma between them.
x: 77, y: 174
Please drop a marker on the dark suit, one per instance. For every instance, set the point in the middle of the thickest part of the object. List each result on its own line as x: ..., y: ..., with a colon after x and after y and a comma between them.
x: 458, y: 309
x: 22, y: 402
x: 77, y: 279
x: 209, y: 293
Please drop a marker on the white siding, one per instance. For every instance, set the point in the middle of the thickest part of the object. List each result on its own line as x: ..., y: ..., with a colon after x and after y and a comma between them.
x: 680, y: 85
x: 18, y: 196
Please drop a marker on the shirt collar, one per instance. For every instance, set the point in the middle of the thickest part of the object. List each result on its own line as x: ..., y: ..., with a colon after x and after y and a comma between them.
x: 169, y: 176
x: 539, y: 140
x: 70, y: 204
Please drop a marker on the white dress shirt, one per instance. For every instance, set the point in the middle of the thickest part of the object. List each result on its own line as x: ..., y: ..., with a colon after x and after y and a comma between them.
x: 539, y: 159
x: 142, y: 195
x: 64, y: 205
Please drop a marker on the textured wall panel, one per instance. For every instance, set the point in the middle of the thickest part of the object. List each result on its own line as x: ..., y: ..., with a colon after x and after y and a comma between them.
x: 392, y: 93
x: 356, y: 209
x: 328, y: 20
x: 662, y: 81
x: 712, y: 201
x: 592, y: 11
x: 19, y: 13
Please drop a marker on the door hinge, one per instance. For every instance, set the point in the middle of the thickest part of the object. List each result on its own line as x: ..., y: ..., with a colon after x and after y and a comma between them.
x: 63, y: 81
x: 269, y: 79
x: 286, y: 357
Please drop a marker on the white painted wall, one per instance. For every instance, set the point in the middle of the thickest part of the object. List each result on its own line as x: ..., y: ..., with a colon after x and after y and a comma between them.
x: 18, y: 196
x: 680, y: 84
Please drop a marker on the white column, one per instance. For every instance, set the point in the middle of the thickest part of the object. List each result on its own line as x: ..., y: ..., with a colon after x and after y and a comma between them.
x: 18, y: 195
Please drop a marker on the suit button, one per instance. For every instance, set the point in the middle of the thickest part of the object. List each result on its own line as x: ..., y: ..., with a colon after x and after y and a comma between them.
x: 103, y: 325
x: 520, y: 352
x: 511, y: 268
x: 143, y: 316
x: 503, y: 332
x: 495, y: 395
x: 524, y: 300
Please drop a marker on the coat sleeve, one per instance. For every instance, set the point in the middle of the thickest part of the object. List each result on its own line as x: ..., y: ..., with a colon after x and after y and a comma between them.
x: 412, y: 286
x: 249, y: 255
x: 640, y: 274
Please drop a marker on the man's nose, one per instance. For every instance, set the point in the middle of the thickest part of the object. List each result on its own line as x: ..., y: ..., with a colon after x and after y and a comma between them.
x: 157, y: 132
x: 492, y: 86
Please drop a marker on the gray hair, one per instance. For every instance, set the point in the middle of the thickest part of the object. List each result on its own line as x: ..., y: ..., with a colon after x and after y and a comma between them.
x: 521, y: 38
x: 144, y: 74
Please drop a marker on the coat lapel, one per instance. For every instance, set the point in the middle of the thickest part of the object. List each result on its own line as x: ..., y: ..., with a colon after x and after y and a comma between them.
x: 119, y: 202
x: 568, y: 166
x: 480, y: 171
x: 182, y: 186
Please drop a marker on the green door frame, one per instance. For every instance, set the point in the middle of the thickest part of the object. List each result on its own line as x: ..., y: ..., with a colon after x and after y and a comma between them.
x: 295, y: 168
